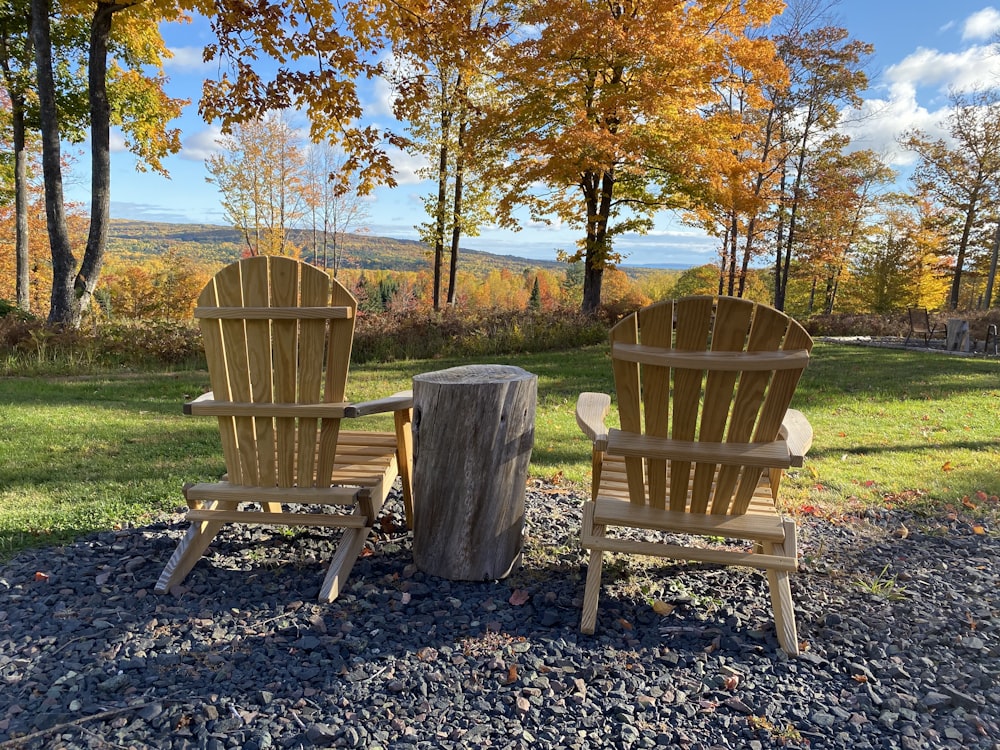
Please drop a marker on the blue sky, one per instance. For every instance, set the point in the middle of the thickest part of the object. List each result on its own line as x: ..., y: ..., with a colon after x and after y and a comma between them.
x: 923, y: 48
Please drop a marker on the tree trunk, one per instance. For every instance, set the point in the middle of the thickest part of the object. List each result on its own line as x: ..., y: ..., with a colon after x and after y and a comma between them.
x: 598, y: 189
x: 100, y: 145
x: 21, y: 238
x: 473, y: 431
x: 456, y: 226
x: 61, y: 306
x: 963, y: 244
x: 991, y: 279
x: 439, y: 221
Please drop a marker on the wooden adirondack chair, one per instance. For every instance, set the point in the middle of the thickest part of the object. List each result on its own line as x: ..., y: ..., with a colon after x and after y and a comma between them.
x: 278, y: 335
x: 703, y: 386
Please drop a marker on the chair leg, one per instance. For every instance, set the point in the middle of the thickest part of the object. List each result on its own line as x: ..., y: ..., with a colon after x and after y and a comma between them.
x: 404, y: 453
x: 190, y: 550
x: 592, y: 592
x: 592, y: 589
x: 348, y: 551
x: 370, y: 502
x: 778, y: 582
x: 784, y: 611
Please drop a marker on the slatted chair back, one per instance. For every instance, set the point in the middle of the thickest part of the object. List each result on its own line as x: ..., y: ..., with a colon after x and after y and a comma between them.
x: 278, y: 337
x: 702, y: 386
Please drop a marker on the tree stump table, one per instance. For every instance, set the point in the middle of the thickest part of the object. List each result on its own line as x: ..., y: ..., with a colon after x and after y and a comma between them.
x: 473, y: 431
x: 957, y: 336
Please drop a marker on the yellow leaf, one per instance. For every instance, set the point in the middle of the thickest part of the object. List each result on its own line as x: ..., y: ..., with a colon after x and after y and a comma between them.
x: 662, y: 608
x: 978, y: 530
x: 947, y: 466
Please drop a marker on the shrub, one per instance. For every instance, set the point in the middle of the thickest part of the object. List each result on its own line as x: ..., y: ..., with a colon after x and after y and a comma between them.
x: 382, y: 337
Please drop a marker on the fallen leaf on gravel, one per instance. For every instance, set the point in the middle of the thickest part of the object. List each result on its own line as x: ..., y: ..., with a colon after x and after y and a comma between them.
x: 978, y: 530
x: 902, y: 532
x: 731, y: 682
x: 511, y: 675
x: 519, y: 597
x: 968, y: 503
x: 859, y: 678
x: 40, y: 576
x: 662, y: 608
x: 626, y: 625
x: 427, y: 653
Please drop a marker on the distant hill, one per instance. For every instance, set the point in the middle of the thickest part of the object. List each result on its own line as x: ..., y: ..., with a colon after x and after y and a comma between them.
x: 218, y: 244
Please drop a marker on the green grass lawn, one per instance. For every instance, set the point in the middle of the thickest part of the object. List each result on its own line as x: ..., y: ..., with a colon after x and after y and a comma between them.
x: 96, y: 452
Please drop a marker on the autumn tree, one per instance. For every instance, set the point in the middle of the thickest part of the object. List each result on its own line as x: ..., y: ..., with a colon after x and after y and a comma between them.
x: 441, y: 51
x: 603, y: 105
x: 826, y: 68
x: 122, y: 42
x: 333, y: 206
x: 317, y: 50
x: 164, y: 287
x: 840, y: 200
x: 961, y: 174
x: 262, y: 175
x: 739, y: 179
x: 16, y: 66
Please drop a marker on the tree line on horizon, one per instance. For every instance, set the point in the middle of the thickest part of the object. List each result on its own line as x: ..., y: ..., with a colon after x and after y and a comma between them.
x: 598, y: 114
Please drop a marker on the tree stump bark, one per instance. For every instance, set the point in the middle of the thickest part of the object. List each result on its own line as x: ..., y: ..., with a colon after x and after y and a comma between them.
x: 473, y: 431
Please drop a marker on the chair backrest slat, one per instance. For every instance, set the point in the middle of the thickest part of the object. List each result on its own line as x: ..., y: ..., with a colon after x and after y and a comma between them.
x: 284, y: 284
x: 707, y: 369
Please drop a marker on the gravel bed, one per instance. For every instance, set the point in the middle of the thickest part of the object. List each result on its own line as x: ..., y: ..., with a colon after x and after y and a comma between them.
x: 898, y: 613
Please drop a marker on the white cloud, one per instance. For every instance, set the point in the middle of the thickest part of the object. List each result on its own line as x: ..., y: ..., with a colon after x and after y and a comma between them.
x: 202, y: 144
x: 879, y: 122
x: 117, y: 142
x: 975, y: 67
x: 982, y: 25
x: 382, y: 98
x: 185, y: 59
x: 406, y: 166
x: 915, y: 91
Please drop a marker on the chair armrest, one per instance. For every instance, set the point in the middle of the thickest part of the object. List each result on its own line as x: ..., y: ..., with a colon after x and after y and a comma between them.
x: 798, y: 435
x: 395, y: 402
x: 207, y: 396
x: 591, y: 410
